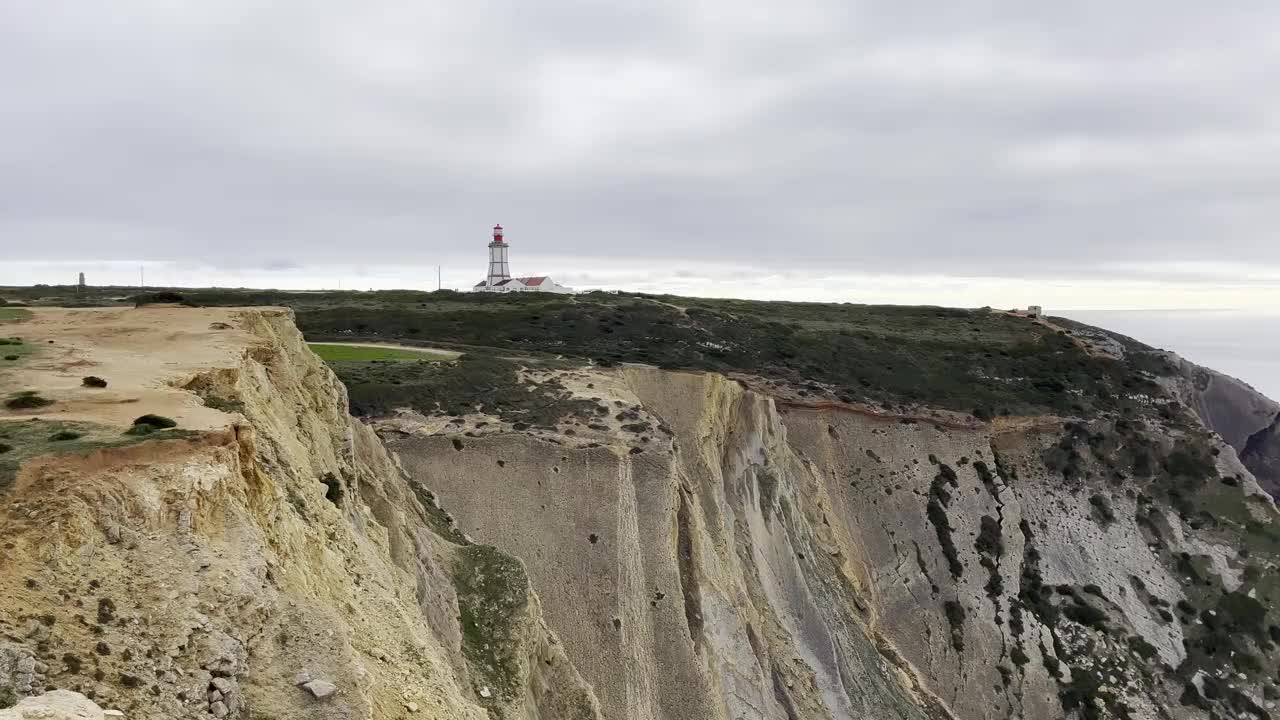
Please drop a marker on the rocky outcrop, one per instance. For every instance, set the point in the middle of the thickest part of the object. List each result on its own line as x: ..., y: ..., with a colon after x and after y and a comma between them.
x: 1261, y: 454
x: 196, y: 574
x: 1248, y: 420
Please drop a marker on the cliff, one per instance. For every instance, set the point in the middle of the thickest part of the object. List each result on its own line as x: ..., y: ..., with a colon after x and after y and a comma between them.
x: 578, y: 541
x: 213, y: 569
x: 740, y: 558
x: 1245, y: 418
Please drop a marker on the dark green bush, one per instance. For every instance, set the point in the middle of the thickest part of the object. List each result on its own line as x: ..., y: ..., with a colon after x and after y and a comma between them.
x: 157, y: 422
x: 63, y: 435
x: 93, y: 381
x: 161, y: 297
x: 27, y: 400
x: 1102, y: 511
x: 1086, y: 615
x: 333, y: 488
x: 955, y: 614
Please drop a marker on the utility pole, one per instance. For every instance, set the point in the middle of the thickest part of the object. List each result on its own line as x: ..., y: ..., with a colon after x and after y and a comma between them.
x: 437, y: 277
x: 142, y: 283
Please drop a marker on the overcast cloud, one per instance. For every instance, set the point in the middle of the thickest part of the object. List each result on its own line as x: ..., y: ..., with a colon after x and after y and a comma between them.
x: 1080, y: 141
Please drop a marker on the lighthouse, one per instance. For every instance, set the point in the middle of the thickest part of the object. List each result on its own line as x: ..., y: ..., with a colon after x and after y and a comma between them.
x: 499, y: 270
x: 499, y: 279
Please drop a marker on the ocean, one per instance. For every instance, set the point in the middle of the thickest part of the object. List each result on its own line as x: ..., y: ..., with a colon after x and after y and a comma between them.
x: 1242, y: 344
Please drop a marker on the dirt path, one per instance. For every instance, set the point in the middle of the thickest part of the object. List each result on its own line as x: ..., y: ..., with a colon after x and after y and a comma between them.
x: 1089, y: 348
x: 393, y: 346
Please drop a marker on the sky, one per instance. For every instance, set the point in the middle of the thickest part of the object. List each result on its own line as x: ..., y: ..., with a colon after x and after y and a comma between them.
x: 1077, y: 155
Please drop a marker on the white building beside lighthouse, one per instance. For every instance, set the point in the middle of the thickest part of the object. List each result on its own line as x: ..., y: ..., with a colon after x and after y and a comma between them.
x: 499, y: 278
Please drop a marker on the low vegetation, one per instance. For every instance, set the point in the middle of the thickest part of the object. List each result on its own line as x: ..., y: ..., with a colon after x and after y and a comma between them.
x: 475, y: 383
x: 21, y: 440
x: 978, y: 361
x: 148, y: 424
x: 93, y: 381
x: 492, y: 596
x: 27, y: 400
x: 159, y: 298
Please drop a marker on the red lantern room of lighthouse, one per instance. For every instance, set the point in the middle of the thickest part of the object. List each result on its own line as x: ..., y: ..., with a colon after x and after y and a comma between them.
x: 499, y: 269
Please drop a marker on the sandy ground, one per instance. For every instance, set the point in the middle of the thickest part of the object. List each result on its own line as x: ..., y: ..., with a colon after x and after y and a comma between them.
x: 144, y: 354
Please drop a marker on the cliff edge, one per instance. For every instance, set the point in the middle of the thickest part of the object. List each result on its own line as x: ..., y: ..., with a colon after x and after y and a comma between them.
x: 265, y: 558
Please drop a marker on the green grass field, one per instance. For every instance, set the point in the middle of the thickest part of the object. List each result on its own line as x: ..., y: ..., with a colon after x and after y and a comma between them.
x: 12, y: 348
x: 331, y: 352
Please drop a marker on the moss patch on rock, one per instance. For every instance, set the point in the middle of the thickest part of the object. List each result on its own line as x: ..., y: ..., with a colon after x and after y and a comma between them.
x: 493, y: 593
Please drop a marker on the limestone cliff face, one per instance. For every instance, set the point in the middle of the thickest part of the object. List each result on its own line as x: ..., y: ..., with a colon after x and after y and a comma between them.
x: 699, y: 551
x: 212, y: 574
x: 746, y: 560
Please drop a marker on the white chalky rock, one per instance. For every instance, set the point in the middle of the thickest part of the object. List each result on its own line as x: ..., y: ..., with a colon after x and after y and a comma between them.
x: 56, y: 705
x: 321, y: 689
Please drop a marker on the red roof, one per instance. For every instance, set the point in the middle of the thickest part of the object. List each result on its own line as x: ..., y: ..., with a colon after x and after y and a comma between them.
x: 533, y: 281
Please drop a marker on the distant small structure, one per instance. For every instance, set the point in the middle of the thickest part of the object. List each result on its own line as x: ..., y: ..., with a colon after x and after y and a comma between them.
x: 1035, y: 311
x: 80, y: 284
x: 499, y: 278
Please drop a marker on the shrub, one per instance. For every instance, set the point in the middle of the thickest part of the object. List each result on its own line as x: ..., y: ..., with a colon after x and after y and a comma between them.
x: 333, y: 488
x: 164, y: 296
x: 223, y: 404
x: 955, y: 614
x: 5, y: 447
x: 63, y: 435
x: 93, y: 381
x: 1102, y: 511
x: 27, y: 400
x: 1143, y: 648
x: 157, y: 422
x: 10, y: 357
x: 8, y: 698
x: 1086, y: 615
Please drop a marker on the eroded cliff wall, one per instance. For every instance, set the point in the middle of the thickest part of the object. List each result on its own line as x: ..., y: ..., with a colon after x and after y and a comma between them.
x: 730, y: 558
x: 214, y: 569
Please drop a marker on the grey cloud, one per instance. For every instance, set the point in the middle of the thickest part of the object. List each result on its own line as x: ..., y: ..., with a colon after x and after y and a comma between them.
x: 974, y: 137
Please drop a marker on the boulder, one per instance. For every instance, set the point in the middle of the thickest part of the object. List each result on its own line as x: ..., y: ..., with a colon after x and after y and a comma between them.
x: 55, y: 705
x: 321, y: 689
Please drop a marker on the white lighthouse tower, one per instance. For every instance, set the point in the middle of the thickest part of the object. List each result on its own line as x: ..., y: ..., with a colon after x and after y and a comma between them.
x: 499, y: 279
x: 499, y: 269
